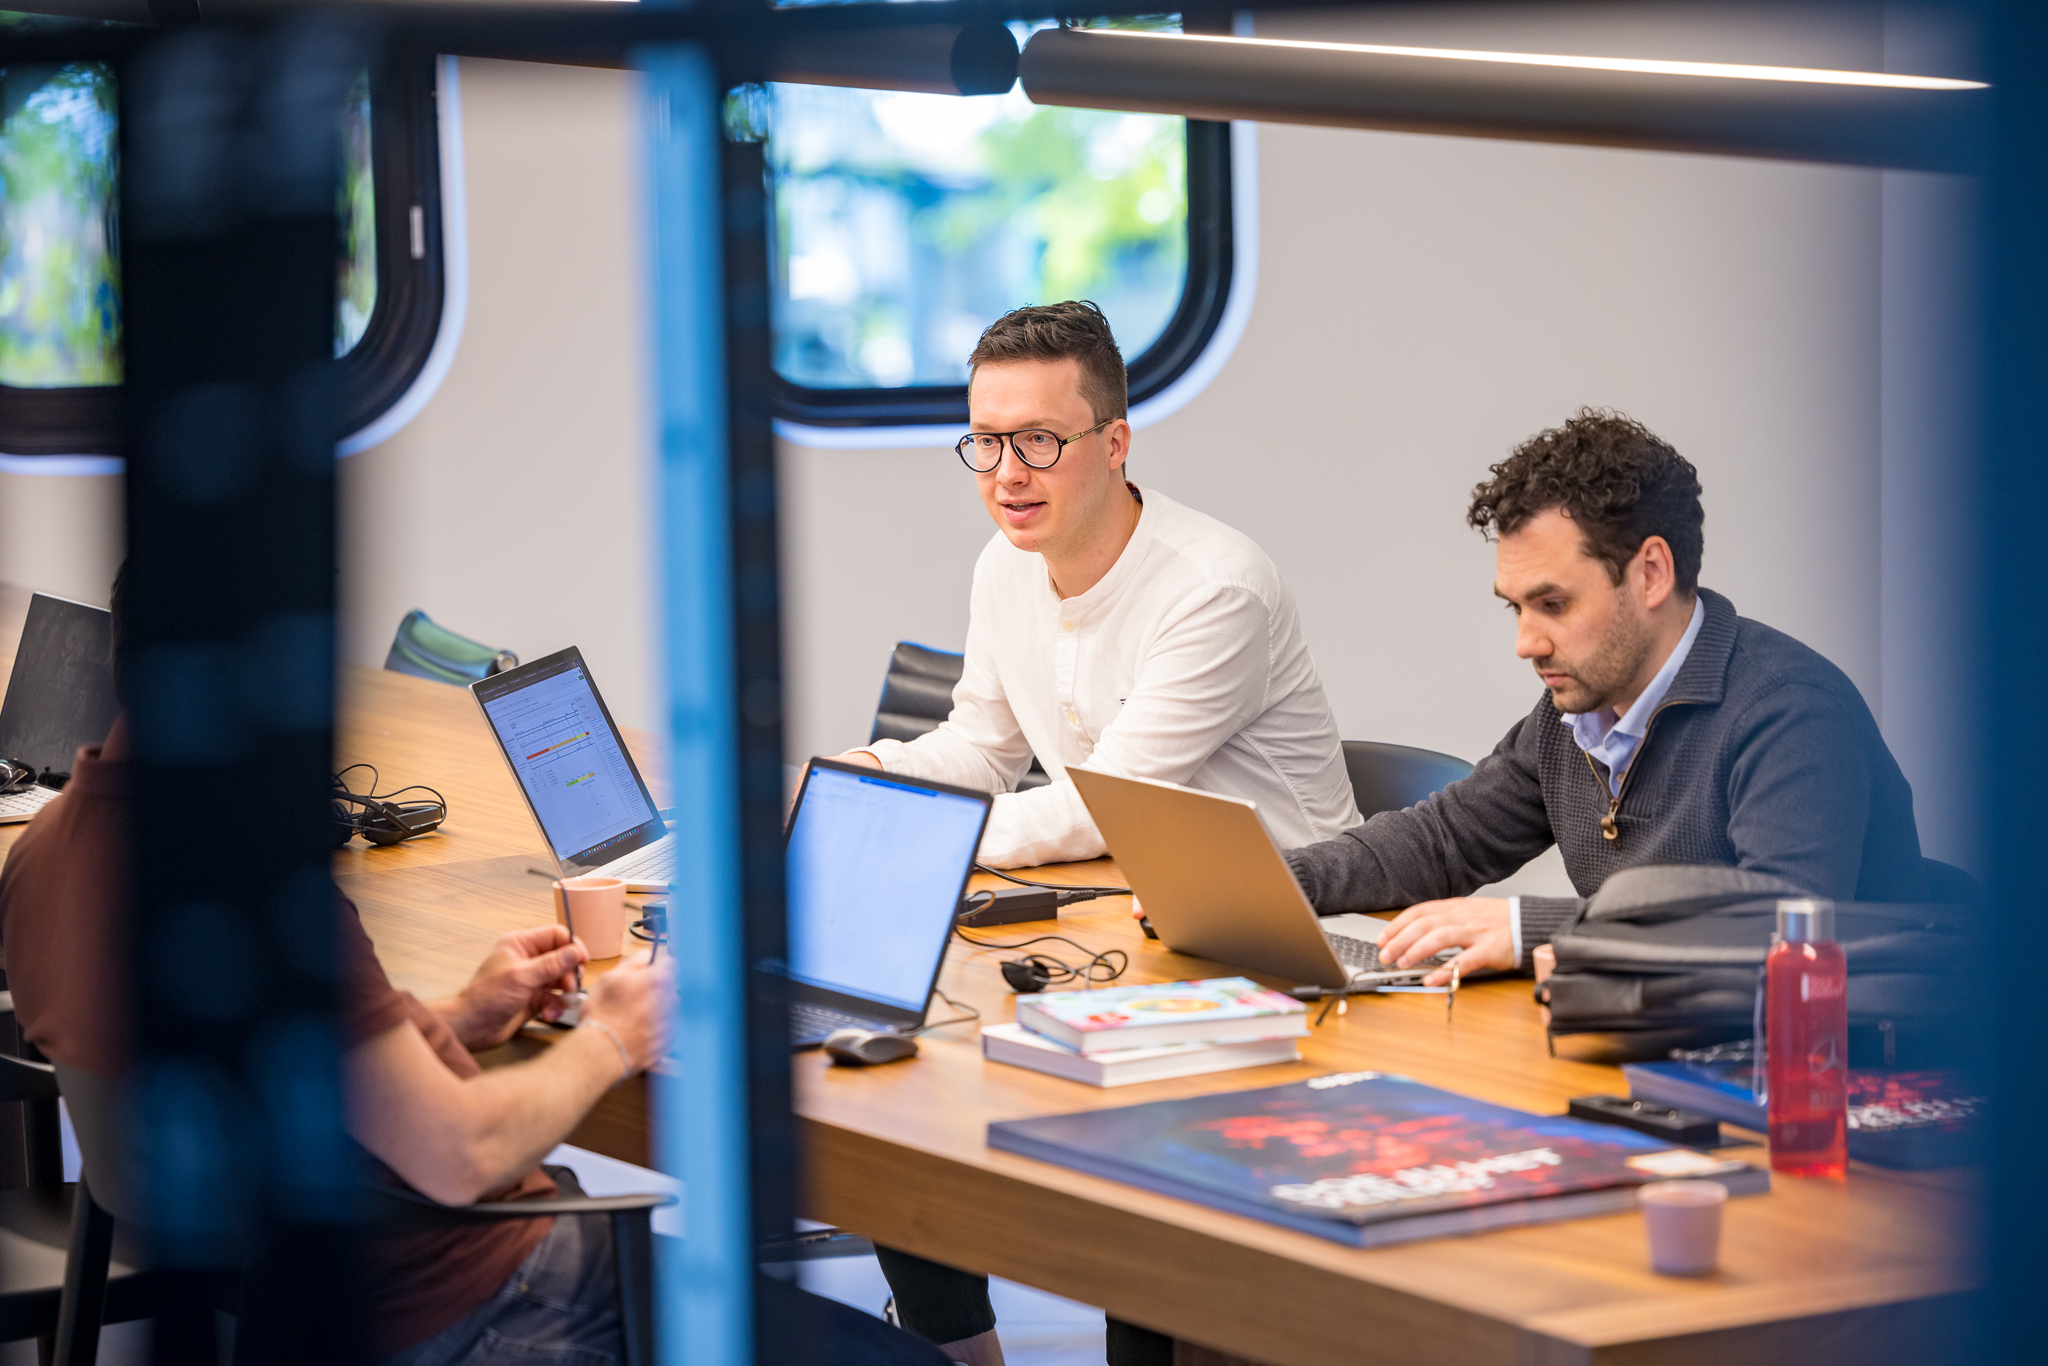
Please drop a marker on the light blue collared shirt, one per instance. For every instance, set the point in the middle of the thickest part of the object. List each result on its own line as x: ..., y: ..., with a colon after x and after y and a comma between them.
x: 1614, y: 743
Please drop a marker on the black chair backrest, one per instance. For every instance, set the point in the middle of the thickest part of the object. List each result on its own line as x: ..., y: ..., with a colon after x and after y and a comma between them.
x: 31, y: 1143
x: 1395, y: 777
x: 1949, y: 884
x: 918, y: 693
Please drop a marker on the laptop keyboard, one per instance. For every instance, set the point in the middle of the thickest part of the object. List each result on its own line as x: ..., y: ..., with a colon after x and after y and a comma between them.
x: 26, y: 802
x: 1362, y: 955
x: 809, y: 1024
x: 656, y: 863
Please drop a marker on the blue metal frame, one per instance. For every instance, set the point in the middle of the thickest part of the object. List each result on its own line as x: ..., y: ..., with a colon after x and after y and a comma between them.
x: 705, y: 1285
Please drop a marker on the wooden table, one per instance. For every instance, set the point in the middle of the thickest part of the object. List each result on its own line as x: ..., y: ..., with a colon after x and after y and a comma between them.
x: 1869, y: 1269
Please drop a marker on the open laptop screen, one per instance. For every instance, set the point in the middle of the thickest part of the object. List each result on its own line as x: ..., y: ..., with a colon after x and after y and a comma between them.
x: 876, y: 865
x: 61, y: 694
x: 559, y: 739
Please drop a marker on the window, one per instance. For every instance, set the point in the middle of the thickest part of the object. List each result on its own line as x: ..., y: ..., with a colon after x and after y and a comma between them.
x: 60, y: 295
x: 904, y: 224
x: 60, y: 292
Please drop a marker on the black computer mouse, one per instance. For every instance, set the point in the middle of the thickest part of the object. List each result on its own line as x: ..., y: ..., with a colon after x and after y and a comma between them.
x: 864, y: 1047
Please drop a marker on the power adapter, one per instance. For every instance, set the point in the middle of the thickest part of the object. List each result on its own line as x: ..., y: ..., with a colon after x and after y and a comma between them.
x: 1008, y: 906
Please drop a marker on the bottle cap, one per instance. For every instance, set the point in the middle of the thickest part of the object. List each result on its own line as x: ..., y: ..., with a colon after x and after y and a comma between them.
x: 1807, y: 920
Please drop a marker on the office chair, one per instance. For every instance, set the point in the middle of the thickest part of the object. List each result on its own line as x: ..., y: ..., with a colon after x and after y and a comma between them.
x: 59, y: 1279
x: 917, y: 694
x: 632, y: 1222
x: 428, y: 651
x: 94, y: 1100
x: 1395, y: 777
x: 1949, y: 884
x: 33, y: 1145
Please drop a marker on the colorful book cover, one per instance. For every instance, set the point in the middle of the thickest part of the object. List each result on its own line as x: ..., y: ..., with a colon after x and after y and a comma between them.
x: 1909, y: 1120
x: 1368, y: 1158
x: 1213, y: 1010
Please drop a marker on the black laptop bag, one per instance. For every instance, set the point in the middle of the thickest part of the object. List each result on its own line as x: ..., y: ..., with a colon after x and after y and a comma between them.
x: 1665, y: 957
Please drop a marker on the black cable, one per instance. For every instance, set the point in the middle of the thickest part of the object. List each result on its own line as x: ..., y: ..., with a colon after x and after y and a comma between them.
x: 656, y: 923
x: 1091, y: 892
x: 1056, y: 970
x: 971, y: 1016
x: 373, y: 795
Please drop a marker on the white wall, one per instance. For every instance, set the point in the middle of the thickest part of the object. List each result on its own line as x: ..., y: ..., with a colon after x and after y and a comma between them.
x: 61, y: 534
x: 513, y: 508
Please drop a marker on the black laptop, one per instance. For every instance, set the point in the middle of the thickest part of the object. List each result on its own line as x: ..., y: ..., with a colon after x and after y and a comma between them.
x: 876, y: 867
x: 59, y: 697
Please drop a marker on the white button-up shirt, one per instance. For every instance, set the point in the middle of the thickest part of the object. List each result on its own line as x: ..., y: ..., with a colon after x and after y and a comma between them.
x: 1186, y: 663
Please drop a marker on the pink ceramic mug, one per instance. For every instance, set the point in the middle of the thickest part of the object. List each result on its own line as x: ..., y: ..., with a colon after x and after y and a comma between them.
x: 594, y: 909
x: 1684, y: 1219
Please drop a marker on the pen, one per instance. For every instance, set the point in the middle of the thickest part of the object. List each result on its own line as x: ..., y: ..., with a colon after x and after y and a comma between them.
x: 569, y: 921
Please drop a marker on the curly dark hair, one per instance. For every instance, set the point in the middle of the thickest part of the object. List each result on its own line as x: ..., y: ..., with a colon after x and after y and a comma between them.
x: 1610, y: 474
x: 1074, y: 330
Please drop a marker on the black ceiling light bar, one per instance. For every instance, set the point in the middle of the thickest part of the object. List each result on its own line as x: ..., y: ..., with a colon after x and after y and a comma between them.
x: 1802, y: 114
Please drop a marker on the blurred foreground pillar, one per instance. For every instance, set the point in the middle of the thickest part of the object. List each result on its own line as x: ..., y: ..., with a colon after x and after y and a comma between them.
x: 230, y: 159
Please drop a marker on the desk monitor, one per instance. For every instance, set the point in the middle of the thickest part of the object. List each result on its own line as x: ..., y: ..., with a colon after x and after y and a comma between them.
x: 61, y: 693
x: 876, y: 866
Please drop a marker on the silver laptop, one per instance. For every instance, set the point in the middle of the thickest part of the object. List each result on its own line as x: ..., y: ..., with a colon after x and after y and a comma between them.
x: 578, y: 779
x: 876, y: 864
x: 59, y: 697
x: 1213, y: 884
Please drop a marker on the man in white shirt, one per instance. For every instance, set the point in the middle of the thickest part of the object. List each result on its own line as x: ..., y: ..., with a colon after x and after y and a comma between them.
x: 1112, y: 628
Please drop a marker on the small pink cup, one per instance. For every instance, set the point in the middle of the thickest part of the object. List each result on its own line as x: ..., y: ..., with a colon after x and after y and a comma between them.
x: 594, y: 909
x: 1684, y: 1219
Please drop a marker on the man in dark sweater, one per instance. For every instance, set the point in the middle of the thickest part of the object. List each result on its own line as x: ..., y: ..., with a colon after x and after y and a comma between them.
x: 1670, y: 729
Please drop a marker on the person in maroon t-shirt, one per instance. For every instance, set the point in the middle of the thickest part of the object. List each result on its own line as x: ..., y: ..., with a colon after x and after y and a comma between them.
x: 536, y: 1289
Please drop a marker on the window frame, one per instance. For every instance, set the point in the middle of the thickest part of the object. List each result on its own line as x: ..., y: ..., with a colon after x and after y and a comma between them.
x: 405, y: 155
x: 1211, y: 256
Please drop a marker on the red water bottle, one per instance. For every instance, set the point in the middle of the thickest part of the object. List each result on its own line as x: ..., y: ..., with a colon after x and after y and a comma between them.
x: 1806, y: 1037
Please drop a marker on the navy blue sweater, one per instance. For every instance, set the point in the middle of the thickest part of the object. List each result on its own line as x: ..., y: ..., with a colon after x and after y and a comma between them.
x: 1763, y: 756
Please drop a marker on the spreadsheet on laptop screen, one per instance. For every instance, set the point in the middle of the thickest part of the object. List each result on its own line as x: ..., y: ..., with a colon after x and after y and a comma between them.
x: 874, y: 873
x: 570, y: 762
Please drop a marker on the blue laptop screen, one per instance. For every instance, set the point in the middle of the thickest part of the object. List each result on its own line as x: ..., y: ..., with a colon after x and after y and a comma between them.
x: 875, y: 870
x: 569, y: 761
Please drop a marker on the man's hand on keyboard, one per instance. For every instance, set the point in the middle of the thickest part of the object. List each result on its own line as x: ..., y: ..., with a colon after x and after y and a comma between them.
x: 1478, y: 925
x: 516, y: 982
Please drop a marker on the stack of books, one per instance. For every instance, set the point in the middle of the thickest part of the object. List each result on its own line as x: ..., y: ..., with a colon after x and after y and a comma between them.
x: 1114, y: 1036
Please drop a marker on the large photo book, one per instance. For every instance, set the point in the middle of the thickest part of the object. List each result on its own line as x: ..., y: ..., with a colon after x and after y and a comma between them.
x: 1368, y: 1158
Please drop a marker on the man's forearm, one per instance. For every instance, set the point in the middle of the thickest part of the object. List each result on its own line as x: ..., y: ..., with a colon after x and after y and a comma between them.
x: 1540, y: 919
x: 522, y: 1111
x: 1474, y: 832
x: 455, y: 1139
x: 455, y: 1013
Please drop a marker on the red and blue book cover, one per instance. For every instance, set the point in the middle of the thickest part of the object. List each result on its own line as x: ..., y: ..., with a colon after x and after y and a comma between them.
x: 1368, y: 1158
x: 1904, y: 1120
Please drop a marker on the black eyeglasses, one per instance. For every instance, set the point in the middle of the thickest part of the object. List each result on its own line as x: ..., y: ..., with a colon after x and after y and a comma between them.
x: 1035, y: 446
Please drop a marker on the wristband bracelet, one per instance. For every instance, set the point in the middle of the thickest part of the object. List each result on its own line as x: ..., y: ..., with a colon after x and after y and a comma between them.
x: 625, y: 1058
